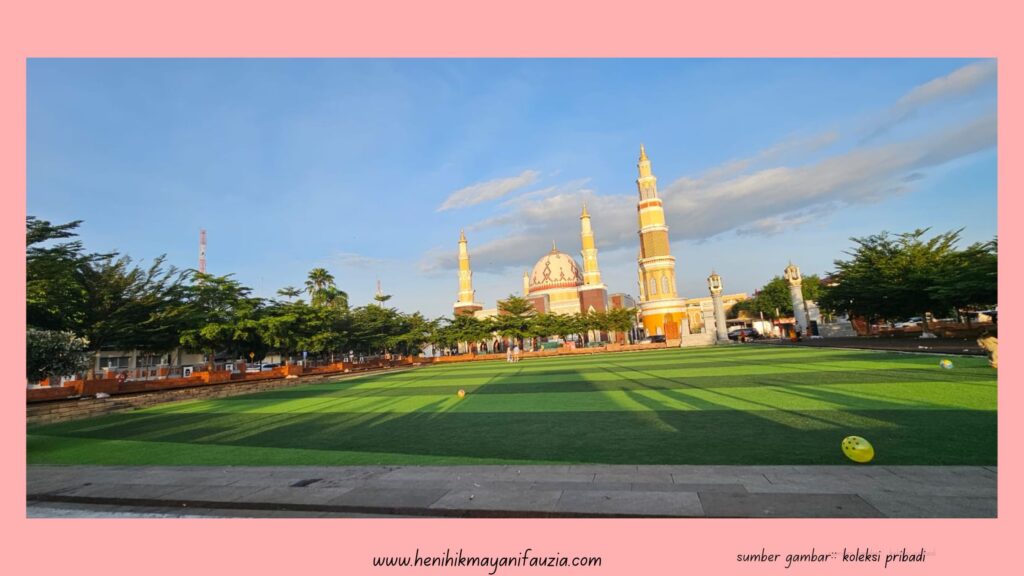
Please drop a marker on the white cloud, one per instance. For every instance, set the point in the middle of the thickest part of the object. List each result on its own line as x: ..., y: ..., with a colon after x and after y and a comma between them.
x: 697, y: 209
x: 489, y: 190
x: 958, y: 83
x: 768, y: 193
x: 764, y: 202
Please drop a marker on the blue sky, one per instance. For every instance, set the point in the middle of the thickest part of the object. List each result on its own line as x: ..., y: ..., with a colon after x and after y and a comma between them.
x: 371, y: 167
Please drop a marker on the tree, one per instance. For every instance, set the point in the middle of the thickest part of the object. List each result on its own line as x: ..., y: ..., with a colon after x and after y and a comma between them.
x: 465, y: 328
x: 322, y: 291
x: 892, y: 277
x: 283, y: 326
x: 773, y: 299
x: 218, y: 306
x: 513, y: 319
x: 621, y: 320
x: 52, y: 353
x: 543, y: 325
x: 129, y: 307
x: 55, y: 297
x: 968, y: 279
x: 416, y: 331
x: 289, y: 292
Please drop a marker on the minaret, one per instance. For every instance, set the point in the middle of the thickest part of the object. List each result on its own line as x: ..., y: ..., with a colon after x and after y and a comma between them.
x: 593, y: 294
x: 465, y: 305
x: 591, y: 273
x: 526, y: 284
x: 796, y: 295
x: 661, y: 309
x: 202, y: 251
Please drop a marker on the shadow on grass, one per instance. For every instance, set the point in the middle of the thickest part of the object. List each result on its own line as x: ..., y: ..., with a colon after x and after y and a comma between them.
x: 653, y: 437
x: 447, y: 429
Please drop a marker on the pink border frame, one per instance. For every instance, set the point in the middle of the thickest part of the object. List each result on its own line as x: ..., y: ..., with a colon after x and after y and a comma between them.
x: 527, y: 28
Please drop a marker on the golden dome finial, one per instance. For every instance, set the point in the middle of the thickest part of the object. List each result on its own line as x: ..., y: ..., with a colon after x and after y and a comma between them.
x: 643, y: 153
x: 554, y: 249
x: 584, y: 214
x: 462, y: 235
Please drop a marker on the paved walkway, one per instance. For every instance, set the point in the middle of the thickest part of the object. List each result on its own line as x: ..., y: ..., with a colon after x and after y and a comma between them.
x: 529, y: 491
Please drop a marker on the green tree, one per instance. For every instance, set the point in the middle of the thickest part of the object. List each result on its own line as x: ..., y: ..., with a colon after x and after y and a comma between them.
x: 283, y: 326
x: 968, y: 279
x: 773, y: 299
x: 893, y: 277
x: 544, y: 325
x: 465, y: 328
x: 289, y: 292
x: 55, y: 296
x: 621, y: 320
x: 322, y: 290
x: 52, y: 353
x: 220, y: 311
x: 129, y: 307
x: 513, y: 319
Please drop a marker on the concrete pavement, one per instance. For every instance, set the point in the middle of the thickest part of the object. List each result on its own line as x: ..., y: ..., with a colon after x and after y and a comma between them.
x: 524, y: 491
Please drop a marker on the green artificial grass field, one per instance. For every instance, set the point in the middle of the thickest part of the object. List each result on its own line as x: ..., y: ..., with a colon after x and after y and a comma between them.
x: 731, y: 405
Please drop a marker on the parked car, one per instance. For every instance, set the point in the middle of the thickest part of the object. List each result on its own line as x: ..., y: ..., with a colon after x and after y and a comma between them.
x: 260, y: 367
x: 909, y: 323
x: 745, y: 333
x: 658, y: 338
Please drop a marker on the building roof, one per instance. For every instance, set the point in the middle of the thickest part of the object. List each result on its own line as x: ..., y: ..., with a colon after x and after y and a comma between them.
x: 555, y: 269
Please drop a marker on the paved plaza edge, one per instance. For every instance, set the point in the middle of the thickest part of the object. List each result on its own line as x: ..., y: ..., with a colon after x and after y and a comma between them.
x: 670, y: 491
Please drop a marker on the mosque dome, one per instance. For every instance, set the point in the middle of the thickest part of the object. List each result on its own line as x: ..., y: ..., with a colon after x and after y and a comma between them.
x: 555, y: 270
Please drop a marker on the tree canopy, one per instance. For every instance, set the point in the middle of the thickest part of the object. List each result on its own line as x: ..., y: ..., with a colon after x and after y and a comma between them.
x: 897, y: 276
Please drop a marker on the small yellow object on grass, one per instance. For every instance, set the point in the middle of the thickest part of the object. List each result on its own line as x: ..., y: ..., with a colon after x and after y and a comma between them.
x: 462, y: 393
x: 946, y: 363
x: 858, y: 449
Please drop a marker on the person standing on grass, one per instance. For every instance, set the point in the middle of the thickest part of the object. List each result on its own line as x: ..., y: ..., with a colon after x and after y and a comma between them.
x: 515, y: 354
x: 508, y: 354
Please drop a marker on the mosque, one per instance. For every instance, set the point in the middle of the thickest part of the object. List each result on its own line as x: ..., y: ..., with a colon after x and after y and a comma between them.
x: 557, y: 285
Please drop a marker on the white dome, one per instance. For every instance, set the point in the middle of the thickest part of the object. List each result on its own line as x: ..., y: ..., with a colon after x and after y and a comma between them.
x: 555, y: 270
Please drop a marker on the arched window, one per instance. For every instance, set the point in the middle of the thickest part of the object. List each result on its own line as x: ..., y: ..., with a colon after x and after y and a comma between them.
x: 654, y: 286
x: 664, y: 285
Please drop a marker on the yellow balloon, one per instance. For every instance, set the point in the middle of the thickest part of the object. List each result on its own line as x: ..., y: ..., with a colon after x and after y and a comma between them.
x: 858, y: 449
x: 462, y: 393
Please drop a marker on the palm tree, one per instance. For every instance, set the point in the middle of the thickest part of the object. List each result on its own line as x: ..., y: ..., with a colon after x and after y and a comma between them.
x: 317, y: 285
x: 335, y: 298
x: 289, y: 292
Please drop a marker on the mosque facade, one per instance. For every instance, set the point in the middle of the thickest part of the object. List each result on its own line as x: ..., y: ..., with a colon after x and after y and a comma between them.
x: 557, y: 284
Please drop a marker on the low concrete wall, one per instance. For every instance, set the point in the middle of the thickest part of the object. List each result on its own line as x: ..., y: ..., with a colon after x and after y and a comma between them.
x: 62, y: 408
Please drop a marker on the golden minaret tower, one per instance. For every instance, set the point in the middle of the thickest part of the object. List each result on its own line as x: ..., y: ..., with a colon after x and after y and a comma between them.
x: 465, y: 305
x: 591, y: 273
x: 661, y: 309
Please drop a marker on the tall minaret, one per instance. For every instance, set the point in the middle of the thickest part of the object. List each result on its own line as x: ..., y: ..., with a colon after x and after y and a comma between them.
x: 202, y: 251
x: 526, y: 284
x: 593, y: 294
x: 465, y: 305
x: 591, y: 273
x: 660, y: 306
